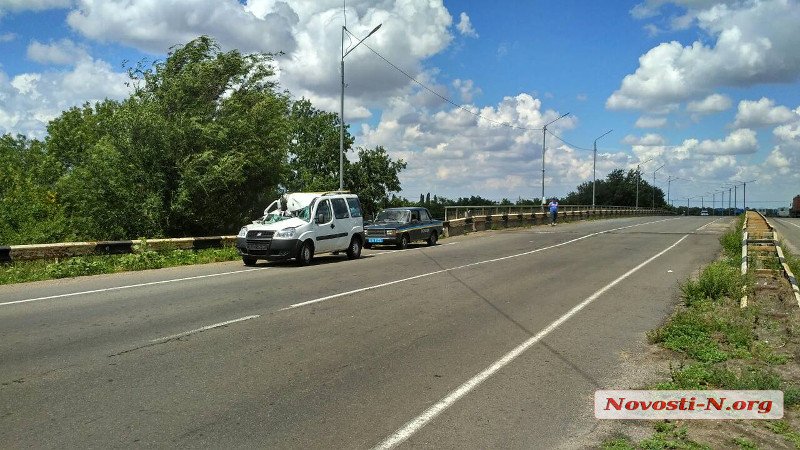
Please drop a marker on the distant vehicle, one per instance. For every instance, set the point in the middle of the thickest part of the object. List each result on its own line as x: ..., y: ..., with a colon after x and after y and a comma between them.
x: 795, y: 211
x: 782, y: 212
x: 704, y: 212
x: 402, y: 226
x: 304, y: 224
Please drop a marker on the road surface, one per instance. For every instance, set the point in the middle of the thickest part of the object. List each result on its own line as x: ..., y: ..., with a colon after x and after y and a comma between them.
x: 495, y: 339
x: 789, y: 231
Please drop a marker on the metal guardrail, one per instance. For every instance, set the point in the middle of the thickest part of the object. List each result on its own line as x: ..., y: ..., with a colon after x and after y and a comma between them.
x: 463, y: 212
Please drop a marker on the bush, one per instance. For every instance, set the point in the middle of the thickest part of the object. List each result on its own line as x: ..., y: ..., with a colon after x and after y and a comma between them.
x: 718, y: 280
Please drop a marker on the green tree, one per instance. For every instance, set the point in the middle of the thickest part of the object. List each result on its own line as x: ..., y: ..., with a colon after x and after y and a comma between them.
x: 618, y: 189
x: 313, y: 149
x: 30, y: 209
x: 373, y: 177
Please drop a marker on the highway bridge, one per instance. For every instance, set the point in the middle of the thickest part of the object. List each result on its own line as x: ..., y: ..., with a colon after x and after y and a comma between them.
x: 493, y: 339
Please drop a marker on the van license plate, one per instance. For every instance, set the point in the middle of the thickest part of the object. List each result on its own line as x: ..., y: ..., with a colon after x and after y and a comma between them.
x: 259, y: 246
x: 375, y: 240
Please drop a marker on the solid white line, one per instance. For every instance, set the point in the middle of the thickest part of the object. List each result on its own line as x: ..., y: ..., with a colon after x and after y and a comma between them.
x: 117, y: 288
x: 420, y: 421
x: 391, y: 252
x: 206, y: 328
x: 389, y: 283
x: 788, y: 223
x: 709, y: 223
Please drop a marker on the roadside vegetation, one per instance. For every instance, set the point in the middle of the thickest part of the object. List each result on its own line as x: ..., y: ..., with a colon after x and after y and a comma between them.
x: 142, y: 258
x: 715, y: 344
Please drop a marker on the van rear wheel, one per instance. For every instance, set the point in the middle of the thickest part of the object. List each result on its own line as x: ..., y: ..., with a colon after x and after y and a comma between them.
x: 354, y: 251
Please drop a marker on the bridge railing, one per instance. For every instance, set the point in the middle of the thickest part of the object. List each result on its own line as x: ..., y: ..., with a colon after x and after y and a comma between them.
x: 463, y: 212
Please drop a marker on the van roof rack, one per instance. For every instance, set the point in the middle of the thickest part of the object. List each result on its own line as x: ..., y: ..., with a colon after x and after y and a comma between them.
x: 334, y: 192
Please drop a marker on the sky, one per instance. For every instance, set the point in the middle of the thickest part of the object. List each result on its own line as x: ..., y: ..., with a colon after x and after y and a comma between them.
x: 700, y: 93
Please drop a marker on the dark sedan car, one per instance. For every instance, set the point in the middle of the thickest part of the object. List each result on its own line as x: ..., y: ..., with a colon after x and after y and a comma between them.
x: 401, y: 226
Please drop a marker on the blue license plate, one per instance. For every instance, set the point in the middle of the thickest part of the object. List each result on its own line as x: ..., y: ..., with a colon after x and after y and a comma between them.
x: 374, y: 240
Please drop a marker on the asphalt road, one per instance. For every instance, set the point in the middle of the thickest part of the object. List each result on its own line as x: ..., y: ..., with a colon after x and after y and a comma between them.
x: 789, y: 231
x: 406, y: 348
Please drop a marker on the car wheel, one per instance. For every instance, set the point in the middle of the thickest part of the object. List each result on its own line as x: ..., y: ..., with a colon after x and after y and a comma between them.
x: 433, y: 238
x: 248, y: 261
x: 403, y: 244
x: 354, y: 251
x: 306, y: 254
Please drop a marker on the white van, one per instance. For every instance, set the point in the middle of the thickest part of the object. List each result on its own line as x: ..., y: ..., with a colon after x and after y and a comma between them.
x: 304, y: 224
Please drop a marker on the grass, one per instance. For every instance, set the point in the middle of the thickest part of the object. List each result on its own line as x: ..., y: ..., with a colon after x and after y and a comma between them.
x: 666, y: 435
x: 142, y: 259
x: 723, y: 346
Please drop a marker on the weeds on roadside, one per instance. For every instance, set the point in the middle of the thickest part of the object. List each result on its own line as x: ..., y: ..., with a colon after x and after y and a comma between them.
x: 143, y: 258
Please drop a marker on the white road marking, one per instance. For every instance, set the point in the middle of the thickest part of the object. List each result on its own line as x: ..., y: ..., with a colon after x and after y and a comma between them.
x: 709, y: 223
x: 389, y: 283
x: 420, y: 421
x: 390, y: 252
x: 205, y: 328
x: 789, y: 223
x: 130, y: 286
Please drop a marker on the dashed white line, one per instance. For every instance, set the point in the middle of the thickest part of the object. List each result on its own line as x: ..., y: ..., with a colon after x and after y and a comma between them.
x: 205, y: 328
x: 709, y: 223
x: 391, y: 252
x: 129, y: 286
x: 389, y: 283
x: 420, y: 421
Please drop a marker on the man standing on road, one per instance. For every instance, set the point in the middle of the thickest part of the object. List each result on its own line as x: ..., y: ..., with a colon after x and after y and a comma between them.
x: 553, y: 211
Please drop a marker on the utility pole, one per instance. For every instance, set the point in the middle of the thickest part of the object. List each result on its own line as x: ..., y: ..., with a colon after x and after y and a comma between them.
x: 638, y: 178
x: 544, y: 146
x: 594, y: 167
x: 653, y: 204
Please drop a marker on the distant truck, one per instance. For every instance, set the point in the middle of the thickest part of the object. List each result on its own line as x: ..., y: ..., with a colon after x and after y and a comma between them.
x: 795, y: 211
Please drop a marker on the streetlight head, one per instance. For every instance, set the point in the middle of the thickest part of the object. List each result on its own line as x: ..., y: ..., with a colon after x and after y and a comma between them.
x: 374, y: 30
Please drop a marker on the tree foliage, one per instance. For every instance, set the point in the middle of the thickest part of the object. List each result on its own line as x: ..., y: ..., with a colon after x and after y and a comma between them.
x: 202, y: 144
x: 618, y: 189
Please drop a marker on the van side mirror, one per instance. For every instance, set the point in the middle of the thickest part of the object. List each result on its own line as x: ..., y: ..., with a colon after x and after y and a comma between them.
x: 320, y: 218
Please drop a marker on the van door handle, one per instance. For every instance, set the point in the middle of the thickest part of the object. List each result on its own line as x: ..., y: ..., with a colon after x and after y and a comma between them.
x: 333, y: 226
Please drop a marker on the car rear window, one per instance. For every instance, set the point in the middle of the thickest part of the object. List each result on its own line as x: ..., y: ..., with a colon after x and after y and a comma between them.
x: 355, y: 207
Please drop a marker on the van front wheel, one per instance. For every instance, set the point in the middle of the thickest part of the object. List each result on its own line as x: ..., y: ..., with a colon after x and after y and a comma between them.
x: 306, y: 254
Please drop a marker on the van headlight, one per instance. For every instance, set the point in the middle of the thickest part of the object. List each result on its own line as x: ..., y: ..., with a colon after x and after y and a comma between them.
x: 242, y: 232
x: 391, y: 232
x: 286, y: 233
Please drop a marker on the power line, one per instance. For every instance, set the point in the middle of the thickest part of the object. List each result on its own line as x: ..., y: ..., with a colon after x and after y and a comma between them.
x: 504, y: 124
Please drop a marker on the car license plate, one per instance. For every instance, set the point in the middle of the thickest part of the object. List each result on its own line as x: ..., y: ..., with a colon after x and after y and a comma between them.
x: 259, y: 246
x: 374, y: 240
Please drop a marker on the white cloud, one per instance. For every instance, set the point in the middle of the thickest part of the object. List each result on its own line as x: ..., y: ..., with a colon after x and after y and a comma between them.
x: 452, y: 152
x: 466, y: 89
x: 7, y: 37
x: 754, y: 43
x: 30, y: 100
x: 63, y: 52
x: 762, y: 113
x: 741, y: 141
x: 714, y: 103
x: 32, y: 5
x: 465, y: 26
x: 650, y: 122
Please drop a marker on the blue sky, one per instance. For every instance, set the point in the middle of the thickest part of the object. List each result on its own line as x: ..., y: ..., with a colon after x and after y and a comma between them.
x: 707, y: 88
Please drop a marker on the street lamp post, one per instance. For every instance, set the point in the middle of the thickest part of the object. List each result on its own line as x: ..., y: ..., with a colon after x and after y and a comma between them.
x: 341, y: 102
x: 744, y: 193
x: 669, y: 182
x: 544, y: 139
x: 594, y: 167
x: 639, y: 177
x: 653, y: 204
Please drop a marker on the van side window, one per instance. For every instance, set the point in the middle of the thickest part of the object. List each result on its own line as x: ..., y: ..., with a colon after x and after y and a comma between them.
x: 414, y: 215
x: 324, y: 208
x: 339, y: 208
x: 355, y: 207
x: 424, y: 215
